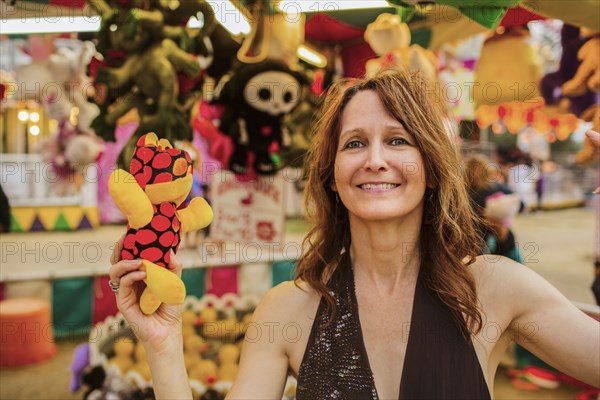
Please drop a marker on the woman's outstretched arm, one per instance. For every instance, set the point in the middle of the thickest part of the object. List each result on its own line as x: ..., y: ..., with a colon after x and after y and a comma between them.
x: 546, y: 323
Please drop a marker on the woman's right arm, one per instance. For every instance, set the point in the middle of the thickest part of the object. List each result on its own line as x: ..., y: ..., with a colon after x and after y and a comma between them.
x: 264, y: 362
x: 160, y: 333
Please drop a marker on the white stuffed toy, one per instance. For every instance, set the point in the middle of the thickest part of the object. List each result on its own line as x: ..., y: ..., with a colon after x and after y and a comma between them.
x: 389, y: 38
x: 59, y: 83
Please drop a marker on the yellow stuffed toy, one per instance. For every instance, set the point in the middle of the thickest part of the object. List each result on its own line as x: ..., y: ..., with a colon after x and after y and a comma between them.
x: 158, y: 181
x: 587, y: 76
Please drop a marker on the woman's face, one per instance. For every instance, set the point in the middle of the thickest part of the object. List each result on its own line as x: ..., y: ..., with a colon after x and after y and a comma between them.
x: 379, y: 172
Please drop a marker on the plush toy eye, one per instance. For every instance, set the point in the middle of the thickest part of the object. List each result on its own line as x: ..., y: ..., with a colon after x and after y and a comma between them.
x: 264, y: 94
x: 288, y: 96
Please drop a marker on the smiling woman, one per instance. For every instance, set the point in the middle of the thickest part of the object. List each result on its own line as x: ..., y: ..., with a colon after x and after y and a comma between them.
x: 389, y: 129
x: 389, y: 275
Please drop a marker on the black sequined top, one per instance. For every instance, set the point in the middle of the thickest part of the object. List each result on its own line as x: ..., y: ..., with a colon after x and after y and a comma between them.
x: 439, y: 363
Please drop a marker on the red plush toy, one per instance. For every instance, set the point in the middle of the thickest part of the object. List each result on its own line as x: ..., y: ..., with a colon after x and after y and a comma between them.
x: 159, y: 181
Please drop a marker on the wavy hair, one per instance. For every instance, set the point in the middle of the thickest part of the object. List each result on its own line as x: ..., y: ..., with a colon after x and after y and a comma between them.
x: 448, y: 241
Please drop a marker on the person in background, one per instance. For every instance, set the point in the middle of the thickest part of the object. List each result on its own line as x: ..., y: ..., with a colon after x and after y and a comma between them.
x: 485, y: 188
x: 390, y: 299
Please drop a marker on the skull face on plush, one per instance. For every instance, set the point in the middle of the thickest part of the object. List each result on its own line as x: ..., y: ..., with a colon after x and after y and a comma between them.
x: 258, y: 97
x: 159, y: 181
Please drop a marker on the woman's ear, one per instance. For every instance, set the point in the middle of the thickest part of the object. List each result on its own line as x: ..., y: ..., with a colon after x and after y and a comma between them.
x: 333, y: 186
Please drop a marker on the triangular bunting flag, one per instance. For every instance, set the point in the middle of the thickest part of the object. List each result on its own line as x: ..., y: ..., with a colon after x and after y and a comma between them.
x: 72, y: 215
x: 14, y: 224
x: 37, y: 225
x: 24, y: 217
x: 84, y: 224
x: 61, y: 223
x: 93, y: 216
x: 48, y: 216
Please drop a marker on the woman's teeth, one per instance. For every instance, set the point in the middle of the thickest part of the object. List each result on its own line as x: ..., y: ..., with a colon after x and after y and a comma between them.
x: 378, y: 186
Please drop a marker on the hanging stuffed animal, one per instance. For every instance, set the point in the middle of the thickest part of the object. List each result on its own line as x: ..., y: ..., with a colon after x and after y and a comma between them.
x: 514, y: 78
x: 159, y: 180
x: 587, y: 76
x: 550, y: 86
x: 258, y: 97
x: 389, y: 37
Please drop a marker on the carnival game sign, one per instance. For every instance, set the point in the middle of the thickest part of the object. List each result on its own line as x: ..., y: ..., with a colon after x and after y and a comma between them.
x: 248, y: 211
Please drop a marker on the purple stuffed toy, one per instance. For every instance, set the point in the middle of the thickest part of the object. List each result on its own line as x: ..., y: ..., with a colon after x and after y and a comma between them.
x: 571, y: 42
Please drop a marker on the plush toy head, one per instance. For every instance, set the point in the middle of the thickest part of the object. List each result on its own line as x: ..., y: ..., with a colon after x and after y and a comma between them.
x: 269, y: 88
x: 164, y: 173
x: 387, y: 33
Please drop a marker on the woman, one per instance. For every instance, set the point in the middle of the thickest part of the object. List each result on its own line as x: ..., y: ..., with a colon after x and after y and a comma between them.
x: 391, y: 252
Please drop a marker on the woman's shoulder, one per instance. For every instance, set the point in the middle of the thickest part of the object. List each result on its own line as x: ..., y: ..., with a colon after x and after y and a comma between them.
x: 503, y: 284
x: 289, y: 299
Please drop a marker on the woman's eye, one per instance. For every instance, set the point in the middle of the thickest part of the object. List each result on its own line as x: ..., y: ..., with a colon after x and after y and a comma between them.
x: 353, y: 144
x: 398, y: 141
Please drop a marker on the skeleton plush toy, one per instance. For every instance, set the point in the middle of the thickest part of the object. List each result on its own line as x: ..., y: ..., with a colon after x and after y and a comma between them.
x: 258, y: 97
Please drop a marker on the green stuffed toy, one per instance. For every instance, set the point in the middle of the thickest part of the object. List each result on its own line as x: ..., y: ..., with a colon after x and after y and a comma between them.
x: 158, y: 181
x: 488, y: 13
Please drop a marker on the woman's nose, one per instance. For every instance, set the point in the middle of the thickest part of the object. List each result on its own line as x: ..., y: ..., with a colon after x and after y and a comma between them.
x: 376, y: 160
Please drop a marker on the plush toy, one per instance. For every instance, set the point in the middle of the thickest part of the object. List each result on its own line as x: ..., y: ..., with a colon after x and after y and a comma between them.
x: 188, y: 323
x: 159, y: 180
x: 147, y: 66
x: 273, y: 35
x: 258, y: 97
x: 59, y: 83
x: 299, y: 124
x: 228, y: 355
x: 69, y: 152
x: 550, y: 86
x: 94, y: 381
x: 123, y: 360
x: 587, y: 76
x: 389, y: 38
x: 516, y: 78
x: 192, y: 347
x: 141, y: 363
x: 81, y: 360
x: 589, y: 151
x: 218, y: 52
x: 205, y: 372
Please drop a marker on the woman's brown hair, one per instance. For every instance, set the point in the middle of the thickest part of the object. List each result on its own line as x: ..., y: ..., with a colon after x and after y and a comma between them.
x: 449, y: 241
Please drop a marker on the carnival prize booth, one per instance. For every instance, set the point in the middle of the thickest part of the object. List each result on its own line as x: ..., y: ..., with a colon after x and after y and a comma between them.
x: 105, y: 115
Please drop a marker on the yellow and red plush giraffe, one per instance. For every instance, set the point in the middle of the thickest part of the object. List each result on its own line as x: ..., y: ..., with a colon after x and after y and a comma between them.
x: 158, y: 181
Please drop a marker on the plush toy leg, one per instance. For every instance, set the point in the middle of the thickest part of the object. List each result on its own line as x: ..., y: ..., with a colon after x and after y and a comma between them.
x: 263, y: 164
x: 238, y: 162
x: 148, y: 302
x: 163, y: 284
